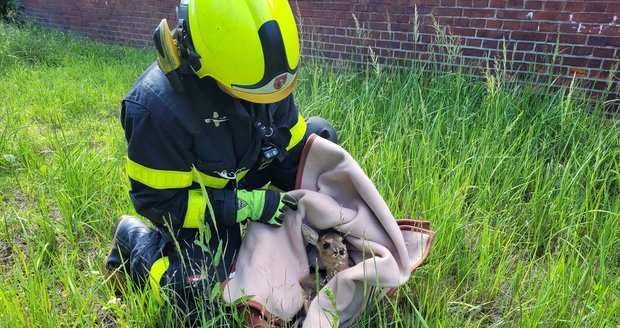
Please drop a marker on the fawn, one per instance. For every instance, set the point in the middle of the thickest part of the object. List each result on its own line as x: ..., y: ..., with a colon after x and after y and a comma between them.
x: 332, y: 253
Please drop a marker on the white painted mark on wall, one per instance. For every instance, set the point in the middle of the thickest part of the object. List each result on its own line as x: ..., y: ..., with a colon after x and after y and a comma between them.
x: 612, y: 23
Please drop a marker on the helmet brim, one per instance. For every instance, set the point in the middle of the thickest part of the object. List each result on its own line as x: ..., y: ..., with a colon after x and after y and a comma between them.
x: 263, y: 98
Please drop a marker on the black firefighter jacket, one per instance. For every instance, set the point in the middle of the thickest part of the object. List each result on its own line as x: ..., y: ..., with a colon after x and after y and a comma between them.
x: 178, y: 141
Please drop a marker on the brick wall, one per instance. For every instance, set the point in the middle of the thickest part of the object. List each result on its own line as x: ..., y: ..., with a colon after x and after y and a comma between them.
x: 120, y: 21
x: 586, y: 34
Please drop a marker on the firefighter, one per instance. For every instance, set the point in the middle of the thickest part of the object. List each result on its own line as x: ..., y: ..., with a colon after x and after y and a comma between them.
x: 208, y: 127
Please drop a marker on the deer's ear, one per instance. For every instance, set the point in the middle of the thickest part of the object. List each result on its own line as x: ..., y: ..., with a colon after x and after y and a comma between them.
x: 310, y: 235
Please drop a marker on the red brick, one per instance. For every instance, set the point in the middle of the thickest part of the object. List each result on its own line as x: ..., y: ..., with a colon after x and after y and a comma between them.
x: 529, y: 26
x: 478, y: 23
x: 401, y: 18
x: 603, y: 52
x: 536, y: 5
x: 604, y: 41
x: 339, y: 39
x: 490, y: 44
x: 577, y: 71
x: 467, y: 32
x: 473, y: 42
x: 387, y: 44
x: 426, y: 20
x: 530, y: 36
x: 493, y: 23
x: 493, y: 34
x: 548, y: 27
x: 480, y: 3
x: 426, y: 29
x: 400, y: 36
x: 574, y: 6
x: 613, y: 7
x: 464, y: 3
x: 445, y: 21
x: 568, y: 27
x: 400, y: 27
x: 611, y: 30
x: 568, y: 38
x: 426, y: 38
x: 516, y: 55
x: 533, y: 58
x: 593, y: 17
x: 596, y: 6
x: 461, y: 22
x: 498, y: 3
x: 582, y: 61
x: 512, y: 25
x: 550, y: 16
x: 474, y: 52
x: 554, y: 5
x: 599, y: 74
x: 561, y: 49
x: 581, y: 51
x: 407, y: 46
x: 591, y: 29
x: 610, y: 64
x: 482, y: 13
x: 525, y: 46
x: 422, y: 10
x: 441, y: 11
x: 511, y: 14
x: 516, y: 4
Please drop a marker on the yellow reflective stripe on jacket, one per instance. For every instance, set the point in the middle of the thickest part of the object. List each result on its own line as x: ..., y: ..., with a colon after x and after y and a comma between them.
x: 165, y: 179
x: 217, y: 182
x: 157, y: 271
x: 196, y: 206
x: 297, y: 132
x: 158, y: 179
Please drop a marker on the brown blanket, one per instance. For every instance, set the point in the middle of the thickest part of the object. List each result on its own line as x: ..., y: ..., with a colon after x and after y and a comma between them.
x: 333, y: 192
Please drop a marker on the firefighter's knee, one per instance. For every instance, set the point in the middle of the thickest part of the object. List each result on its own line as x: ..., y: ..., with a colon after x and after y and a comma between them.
x: 322, y: 128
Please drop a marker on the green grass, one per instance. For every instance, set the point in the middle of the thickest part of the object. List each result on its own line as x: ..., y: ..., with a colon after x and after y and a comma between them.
x: 520, y: 183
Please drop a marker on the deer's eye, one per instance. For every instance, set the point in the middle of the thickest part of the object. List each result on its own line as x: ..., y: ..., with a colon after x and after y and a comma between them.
x: 326, y: 245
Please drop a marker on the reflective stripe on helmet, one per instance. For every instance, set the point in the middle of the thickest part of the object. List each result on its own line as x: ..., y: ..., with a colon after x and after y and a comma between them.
x: 275, y: 63
x: 265, y: 98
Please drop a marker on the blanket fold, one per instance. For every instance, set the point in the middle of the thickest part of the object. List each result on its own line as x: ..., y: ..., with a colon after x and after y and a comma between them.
x: 333, y: 192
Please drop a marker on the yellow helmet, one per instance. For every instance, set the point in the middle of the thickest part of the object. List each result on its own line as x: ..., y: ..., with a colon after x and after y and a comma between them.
x: 251, y: 47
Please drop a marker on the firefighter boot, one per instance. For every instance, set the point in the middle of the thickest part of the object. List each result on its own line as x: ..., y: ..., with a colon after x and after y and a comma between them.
x: 127, y: 230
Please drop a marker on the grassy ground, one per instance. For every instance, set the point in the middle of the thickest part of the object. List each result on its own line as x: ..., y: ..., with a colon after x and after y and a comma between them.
x: 521, y: 185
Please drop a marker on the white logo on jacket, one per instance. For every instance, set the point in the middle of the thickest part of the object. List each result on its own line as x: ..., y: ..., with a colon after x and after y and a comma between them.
x: 216, y: 120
